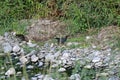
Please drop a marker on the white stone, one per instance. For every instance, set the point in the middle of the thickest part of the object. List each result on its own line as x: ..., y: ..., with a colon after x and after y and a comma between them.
x: 11, y: 71
x: 23, y: 60
x: 7, y: 47
x: 96, y: 59
x: 30, y: 67
x: 88, y: 37
x: 88, y: 66
x: 65, y: 56
x: 47, y: 77
x: 61, y: 70
x: 16, y: 48
x: 30, y: 44
x: 34, y: 78
x: 75, y: 77
x: 40, y: 64
x: 40, y: 76
x: 49, y: 57
x: 34, y: 58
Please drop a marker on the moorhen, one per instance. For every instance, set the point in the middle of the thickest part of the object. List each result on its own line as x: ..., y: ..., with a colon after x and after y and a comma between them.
x: 62, y: 40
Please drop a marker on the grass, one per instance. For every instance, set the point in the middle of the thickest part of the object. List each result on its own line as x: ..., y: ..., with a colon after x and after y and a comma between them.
x: 80, y: 15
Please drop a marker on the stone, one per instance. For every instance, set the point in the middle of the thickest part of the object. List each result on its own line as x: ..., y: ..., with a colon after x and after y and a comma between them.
x: 88, y: 66
x: 114, y: 78
x: 65, y: 56
x: 88, y: 37
x: 61, y: 70
x: 10, y: 72
x: 7, y: 47
x: 34, y: 58
x: 33, y: 78
x: 40, y: 64
x: 30, y: 44
x: 23, y: 60
x: 49, y: 57
x: 30, y: 67
x: 16, y: 48
x: 47, y: 77
x: 40, y: 76
x: 96, y: 59
x: 75, y: 77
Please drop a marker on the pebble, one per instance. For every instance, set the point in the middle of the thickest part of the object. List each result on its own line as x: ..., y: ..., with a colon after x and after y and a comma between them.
x: 40, y: 64
x: 33, y: 78
x: 16, y: 48
x: 47, y: 77
x: 96, y: 59
x: 34, y: 58
x: 23, y: 60
x: 30, y: 44
x: 61, y: 70
x: 10, y: 72
x: 7, y: 47
x: 75, y: 77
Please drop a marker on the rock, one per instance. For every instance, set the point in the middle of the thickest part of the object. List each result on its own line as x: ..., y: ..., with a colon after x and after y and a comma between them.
x: 88, y: 37
x: 30, y: 67
x: 40, y: 64
x: 88, y: 66
x: 75, y: 77
x: 54, y: 65
x: 102, y: 74
x: 34, y: 58
x: 72, y: 43
x: 98, y: 64
x: 96, y: 59
x: 10, y: 72
x: 61, y: 70
x: 65, y: 56
x: 47, y: 77
x: 40, y: 77
x: 7, y: 47
x: 49, y: 57
x: 114, y: 78
x: 16, y: 48
x: 2, y: 77
x: 23, y: 60
x: 23, y: 78
x: 30, y: 44
x: 33, y: 78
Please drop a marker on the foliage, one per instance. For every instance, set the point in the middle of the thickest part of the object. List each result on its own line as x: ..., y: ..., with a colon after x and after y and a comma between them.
x: 79, y: 14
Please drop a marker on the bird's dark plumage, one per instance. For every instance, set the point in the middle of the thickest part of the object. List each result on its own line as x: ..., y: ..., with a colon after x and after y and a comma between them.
x: 62, y: 40
x: 21, y: 37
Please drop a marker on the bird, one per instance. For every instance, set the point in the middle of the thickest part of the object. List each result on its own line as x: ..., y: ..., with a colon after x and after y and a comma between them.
x: 21, y: 37
x: 62, y: 40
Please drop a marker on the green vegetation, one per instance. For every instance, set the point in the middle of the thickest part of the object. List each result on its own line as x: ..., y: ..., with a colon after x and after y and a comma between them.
x: 80, y: 15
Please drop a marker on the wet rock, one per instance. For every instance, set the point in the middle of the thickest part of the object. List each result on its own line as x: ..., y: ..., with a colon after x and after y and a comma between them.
x: 7, y: 47
x: 10, y: 72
